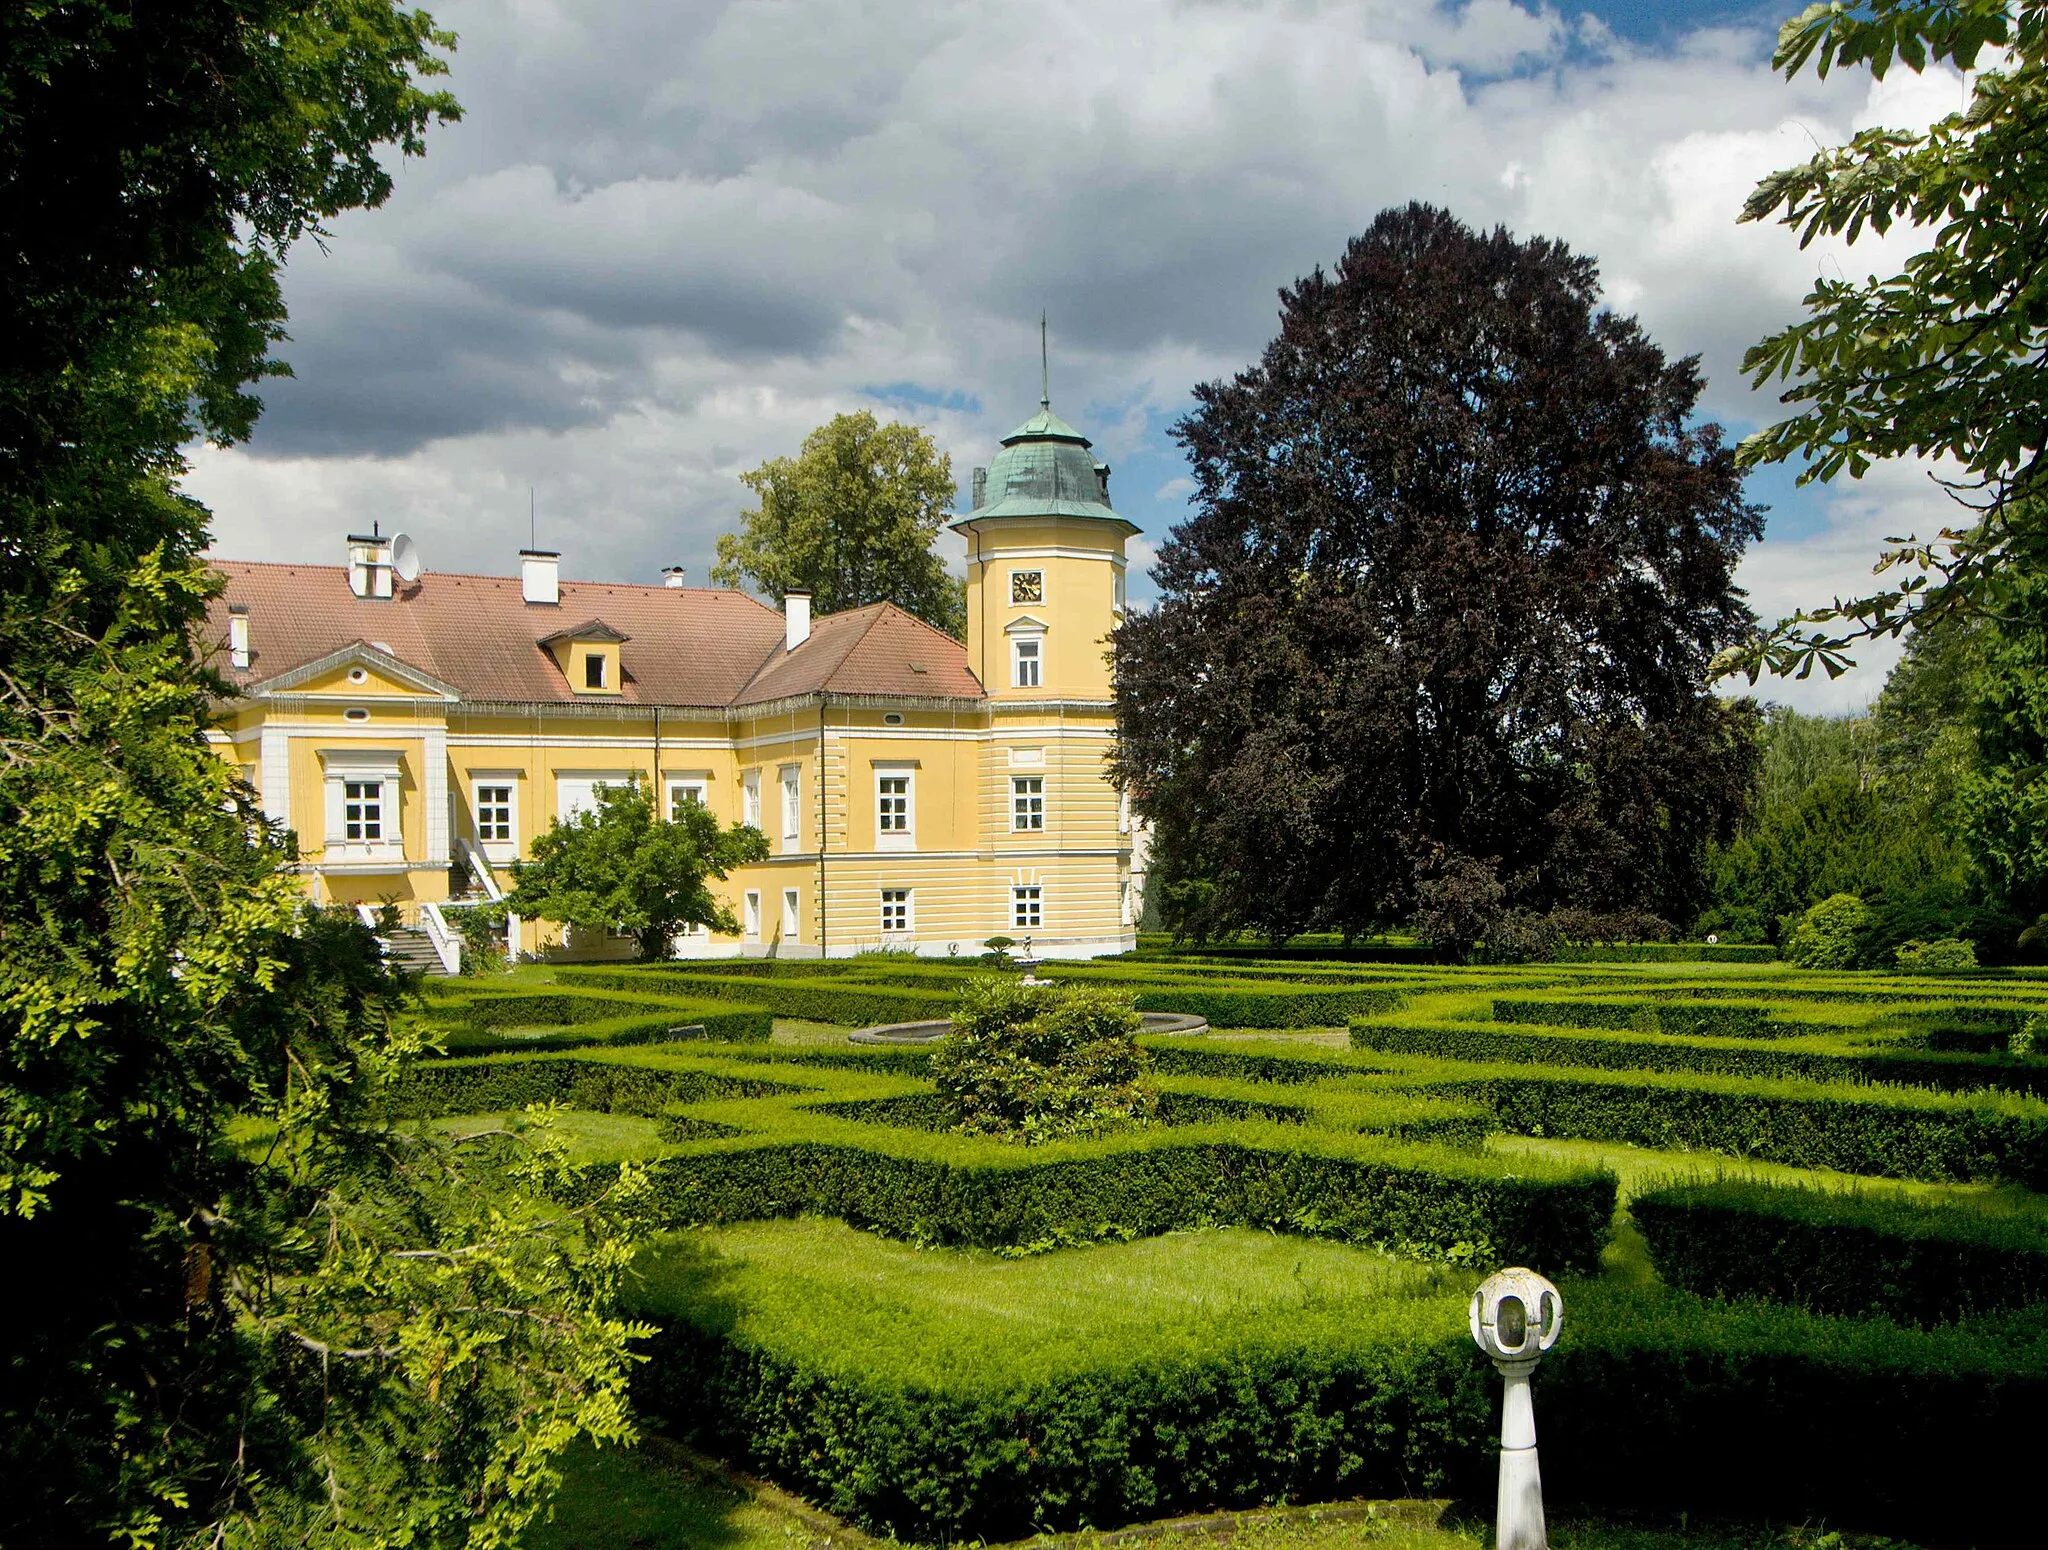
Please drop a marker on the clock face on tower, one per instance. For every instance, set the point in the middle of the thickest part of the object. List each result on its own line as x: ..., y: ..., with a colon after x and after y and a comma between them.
x: 1027, y: 586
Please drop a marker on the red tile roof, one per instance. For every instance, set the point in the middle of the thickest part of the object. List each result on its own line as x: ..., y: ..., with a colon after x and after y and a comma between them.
x: 684, y: 645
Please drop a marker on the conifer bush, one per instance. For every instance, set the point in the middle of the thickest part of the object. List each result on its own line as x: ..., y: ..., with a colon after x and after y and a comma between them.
x: 1032, y: 1062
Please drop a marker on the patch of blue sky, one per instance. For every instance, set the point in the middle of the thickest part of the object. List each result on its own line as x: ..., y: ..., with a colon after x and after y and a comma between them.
x: 916, y: 395
x: 1658, y: 23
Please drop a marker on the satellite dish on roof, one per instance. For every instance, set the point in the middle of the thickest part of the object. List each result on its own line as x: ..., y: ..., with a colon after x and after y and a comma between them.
x: 405, y: 557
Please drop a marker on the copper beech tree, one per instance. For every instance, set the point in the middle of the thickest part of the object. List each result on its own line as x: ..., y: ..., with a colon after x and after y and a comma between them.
x: 1442, y: 616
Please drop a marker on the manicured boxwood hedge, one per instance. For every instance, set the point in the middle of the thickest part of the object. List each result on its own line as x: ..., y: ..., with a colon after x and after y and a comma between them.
x: 1097, y: 1449
x: 1417, y: 1200
x: 821, y: 1000
x: 1886, y: 1132
x: 1707, y: 1019
x: 914, y: 993
x: 606, y: 1086
x: 1843, y: 1254
x: 1485, y: 1043
x: 1654, y: 1400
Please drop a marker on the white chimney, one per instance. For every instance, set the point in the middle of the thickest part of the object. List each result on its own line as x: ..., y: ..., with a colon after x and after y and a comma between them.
x: 796, y: 619
x: 369, y: 564
x: 238, y: 634
x: 540, y: 576
x: 674, y: 576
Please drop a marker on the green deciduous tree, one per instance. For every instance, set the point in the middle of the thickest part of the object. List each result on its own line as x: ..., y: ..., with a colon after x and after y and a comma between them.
x: 851, y: 520
x: 620, y: 865
x: 1943, y: 359
x: 242, y: 1307
x: 1458, y: 563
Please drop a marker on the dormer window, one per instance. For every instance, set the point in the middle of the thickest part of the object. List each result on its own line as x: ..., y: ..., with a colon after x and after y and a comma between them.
x: 588, y: 656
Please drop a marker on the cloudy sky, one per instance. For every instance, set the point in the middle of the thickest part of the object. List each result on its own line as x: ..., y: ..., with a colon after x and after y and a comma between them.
x: 671, y: 236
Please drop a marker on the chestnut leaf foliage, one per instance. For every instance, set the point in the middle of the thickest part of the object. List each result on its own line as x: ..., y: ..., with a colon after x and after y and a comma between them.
x: 242, y: 1307
x: 1943, y: 360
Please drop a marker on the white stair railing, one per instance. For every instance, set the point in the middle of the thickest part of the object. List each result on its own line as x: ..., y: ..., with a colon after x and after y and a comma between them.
x: 480, y: 869
x: 445, y: 941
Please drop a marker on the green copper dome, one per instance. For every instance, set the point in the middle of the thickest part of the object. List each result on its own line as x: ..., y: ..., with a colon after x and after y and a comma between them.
x: 1044, y: 470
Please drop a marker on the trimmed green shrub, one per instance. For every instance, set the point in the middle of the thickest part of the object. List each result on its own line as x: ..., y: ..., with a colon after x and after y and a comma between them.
x: 1828, y: 936
x: 896, y: 1412
x: 823, y: 1000
x: 1843, y: 1254
x: 1700, y: 1019
x: 1031, y: 1062
x: 1420, y: 1201
x: 1944, y: 956
x: 1481, y: 1044
x: 607, y: 1086
x: 1885, y: 1132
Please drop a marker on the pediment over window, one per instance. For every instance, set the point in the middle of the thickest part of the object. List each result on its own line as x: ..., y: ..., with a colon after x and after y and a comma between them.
x: 357, y: 668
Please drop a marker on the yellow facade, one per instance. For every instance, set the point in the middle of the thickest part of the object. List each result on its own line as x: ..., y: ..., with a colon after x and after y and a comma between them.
x: 921, y: 821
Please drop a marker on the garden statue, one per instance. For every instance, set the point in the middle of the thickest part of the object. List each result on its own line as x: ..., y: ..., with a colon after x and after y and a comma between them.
x: 1516, y: 1316
x: 1029, y: 961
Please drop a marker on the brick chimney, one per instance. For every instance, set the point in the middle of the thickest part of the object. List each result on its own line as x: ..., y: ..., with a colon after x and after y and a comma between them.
x: 796, y: 619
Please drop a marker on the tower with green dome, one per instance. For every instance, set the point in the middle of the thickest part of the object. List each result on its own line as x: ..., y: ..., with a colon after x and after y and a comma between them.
x: 1045, y: 566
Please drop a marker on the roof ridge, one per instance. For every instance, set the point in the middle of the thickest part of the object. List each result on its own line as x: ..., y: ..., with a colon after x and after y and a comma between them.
x: 925, y: 625
x: 477, y: 575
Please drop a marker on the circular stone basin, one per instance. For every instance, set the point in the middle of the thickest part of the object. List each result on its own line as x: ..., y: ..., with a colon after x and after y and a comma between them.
x: 932, y: 1032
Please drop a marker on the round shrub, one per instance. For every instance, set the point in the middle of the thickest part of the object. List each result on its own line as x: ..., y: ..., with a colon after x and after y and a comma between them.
x: 1826, y: 936
x: 1939, y: 957
x: 1033, y: 1062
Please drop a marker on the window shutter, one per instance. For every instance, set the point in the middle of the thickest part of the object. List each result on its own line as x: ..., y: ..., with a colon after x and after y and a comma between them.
x: 333, y: 786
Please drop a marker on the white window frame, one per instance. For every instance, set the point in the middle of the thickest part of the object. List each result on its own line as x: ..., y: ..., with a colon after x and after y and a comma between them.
x: 1027, y: 806
x: 492, y: 847
x: 573, y: 786
x: 602, y: 659
x: 693, y: 786
x: 896, y: 904
x: 750, y: 799
x: 381, y: 768
x: 1027, y: 661
x: 792, y: 913
x: 362, y: 812
x: 789, y: 779
x: 905, y: 836
x: 1027, y: 907
x: 750, y: 915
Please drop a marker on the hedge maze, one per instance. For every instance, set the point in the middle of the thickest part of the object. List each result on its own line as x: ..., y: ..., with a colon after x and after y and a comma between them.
x: 1800, y: 1221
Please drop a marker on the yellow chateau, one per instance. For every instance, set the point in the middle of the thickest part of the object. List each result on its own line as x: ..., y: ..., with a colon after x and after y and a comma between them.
x: 418, y: 732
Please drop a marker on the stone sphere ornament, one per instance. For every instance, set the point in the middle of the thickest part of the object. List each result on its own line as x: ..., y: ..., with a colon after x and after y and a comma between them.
x: 1516, y: 1317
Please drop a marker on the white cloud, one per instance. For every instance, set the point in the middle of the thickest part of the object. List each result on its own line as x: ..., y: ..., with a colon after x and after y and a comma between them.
x: 670, y: 238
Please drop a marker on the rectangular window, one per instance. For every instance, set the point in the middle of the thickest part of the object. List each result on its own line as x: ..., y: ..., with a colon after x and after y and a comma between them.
x: 750, y: 915
x: 494, y: 814
x: 1026, y: 907
x: 593, y: 670
x: 750, y: 798
x: 681, y: 793
x: 362, y: 812
x: 1024, y: 661
x: 362, y: 801
x: 792, y: 806
x: 895, y: 910
x: 895, y: 809
x: 1027, y: 802
x: 789, y: 912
